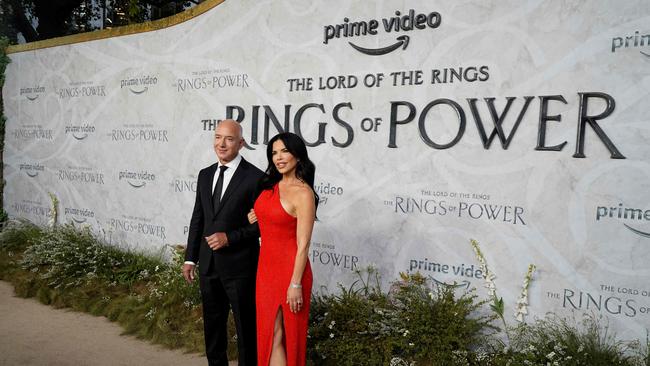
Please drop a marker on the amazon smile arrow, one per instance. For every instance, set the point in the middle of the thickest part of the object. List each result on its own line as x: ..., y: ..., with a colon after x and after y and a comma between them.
x: 402, y: 41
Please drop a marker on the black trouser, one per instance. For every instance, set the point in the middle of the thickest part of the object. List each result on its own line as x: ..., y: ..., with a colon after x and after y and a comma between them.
x: 218, y: 295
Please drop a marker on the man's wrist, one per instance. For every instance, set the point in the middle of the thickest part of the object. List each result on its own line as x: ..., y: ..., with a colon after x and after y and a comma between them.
x: 190, y: 263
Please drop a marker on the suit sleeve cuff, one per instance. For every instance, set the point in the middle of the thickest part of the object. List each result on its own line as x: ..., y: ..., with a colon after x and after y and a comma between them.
x: 231, y: 238
x: 190, y: 262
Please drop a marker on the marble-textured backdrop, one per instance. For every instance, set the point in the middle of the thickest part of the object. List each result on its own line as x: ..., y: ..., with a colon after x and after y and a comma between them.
x: 118, y: 128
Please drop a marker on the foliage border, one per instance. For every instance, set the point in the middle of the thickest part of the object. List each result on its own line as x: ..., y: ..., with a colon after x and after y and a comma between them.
x: 119, y: 31
x: 4, y: 61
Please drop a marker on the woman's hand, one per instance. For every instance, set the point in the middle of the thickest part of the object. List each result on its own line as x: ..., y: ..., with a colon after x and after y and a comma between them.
x: 252, y: 218
x: 294, y: 299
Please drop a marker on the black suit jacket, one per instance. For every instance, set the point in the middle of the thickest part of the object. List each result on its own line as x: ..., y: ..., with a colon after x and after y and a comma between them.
x: 239, y: 258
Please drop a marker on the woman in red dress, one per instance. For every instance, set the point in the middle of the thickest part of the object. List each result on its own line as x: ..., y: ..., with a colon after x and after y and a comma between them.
x: 285, y: 211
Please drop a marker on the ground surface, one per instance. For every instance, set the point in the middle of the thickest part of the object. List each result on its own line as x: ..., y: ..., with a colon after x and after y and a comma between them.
x: 35, y: 334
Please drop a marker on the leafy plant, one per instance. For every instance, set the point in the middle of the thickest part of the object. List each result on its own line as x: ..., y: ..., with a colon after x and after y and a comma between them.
x: 496, y: 302
x: 67, y: 266
x: 645, y: 352
x: 414, y: 322
x: 350, y: 326
x: 67, y: 256
x: 558, y: 341
x: 18, y: 235
x: 4, y: 61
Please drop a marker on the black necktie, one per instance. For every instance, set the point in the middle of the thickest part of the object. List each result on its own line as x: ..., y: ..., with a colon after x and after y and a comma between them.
x: 216, y: 195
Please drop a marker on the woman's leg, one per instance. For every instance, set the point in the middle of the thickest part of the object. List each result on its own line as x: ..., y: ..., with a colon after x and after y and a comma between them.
x: 278, y: 355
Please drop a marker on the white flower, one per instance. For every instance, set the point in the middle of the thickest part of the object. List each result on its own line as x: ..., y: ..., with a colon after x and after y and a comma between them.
x: 488, y: 276
x: 523, y: 299
x: 331, y: 335
x: 332, y: 324
x: 550, y: 355
x: 396, y: 361
x: 522, y: 302
x: 53, y: 211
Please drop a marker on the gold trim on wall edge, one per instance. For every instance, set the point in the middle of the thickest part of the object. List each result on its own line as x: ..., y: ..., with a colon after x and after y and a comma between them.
x: 118, y: 31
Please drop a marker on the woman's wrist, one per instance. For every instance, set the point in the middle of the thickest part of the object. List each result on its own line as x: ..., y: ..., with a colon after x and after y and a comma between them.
x: 295, y: 285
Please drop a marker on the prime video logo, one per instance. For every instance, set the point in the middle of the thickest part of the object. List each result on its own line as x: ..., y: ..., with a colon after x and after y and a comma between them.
x: 624, y: 213
x: 140, y: 178
x: 32, y: 93
x: 637, y: 40
x: 32, y: 170
x: 80, y: 132
x: 139, y: 85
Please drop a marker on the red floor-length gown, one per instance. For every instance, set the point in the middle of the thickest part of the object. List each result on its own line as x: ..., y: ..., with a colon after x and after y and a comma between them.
x: 274, y: 271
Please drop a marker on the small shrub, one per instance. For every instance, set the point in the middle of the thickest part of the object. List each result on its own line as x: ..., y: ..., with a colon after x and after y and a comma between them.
x: 437, y: 323
x: 644, y: 356
x: 68, y: 257
x: 349, y: 328
x: 17, y: 235
x: 558, y: 341
x: 413, y: 323
x: 3, y: 214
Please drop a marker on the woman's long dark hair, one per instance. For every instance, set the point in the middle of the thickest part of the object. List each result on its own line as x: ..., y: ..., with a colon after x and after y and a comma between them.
x: 305, y: 168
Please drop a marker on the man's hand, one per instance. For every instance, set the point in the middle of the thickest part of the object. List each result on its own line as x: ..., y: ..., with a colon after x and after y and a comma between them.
x: 217, y: 241
x: 188, y: 272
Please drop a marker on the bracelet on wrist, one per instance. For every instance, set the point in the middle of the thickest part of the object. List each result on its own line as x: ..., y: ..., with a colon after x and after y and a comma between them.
x: 295, y: 285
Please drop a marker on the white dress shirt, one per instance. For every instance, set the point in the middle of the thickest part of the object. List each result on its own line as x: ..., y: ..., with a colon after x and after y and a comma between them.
x: 227, y: 175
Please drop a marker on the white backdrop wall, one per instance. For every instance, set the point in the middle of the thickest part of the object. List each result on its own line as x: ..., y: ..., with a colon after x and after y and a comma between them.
x: 410, y: 161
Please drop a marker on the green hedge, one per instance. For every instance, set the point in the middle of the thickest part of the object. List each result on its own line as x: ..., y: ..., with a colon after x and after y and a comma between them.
x: 414, y: 323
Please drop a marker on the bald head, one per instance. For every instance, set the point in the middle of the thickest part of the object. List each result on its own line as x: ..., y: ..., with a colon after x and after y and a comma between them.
x: 228, y: 140
x: 231, y: 124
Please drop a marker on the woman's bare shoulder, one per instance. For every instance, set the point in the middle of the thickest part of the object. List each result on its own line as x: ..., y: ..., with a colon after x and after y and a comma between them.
x: 302, y: 192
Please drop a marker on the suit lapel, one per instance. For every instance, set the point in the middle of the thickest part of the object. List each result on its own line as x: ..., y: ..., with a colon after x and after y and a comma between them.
x: 235, y: 183
x: 206, y: 187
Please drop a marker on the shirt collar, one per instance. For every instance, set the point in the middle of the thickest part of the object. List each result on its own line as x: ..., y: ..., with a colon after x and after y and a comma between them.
x: 233, y: 164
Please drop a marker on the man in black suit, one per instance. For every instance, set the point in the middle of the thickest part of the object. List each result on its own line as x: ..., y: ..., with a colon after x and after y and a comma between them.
x: 226, y: 246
